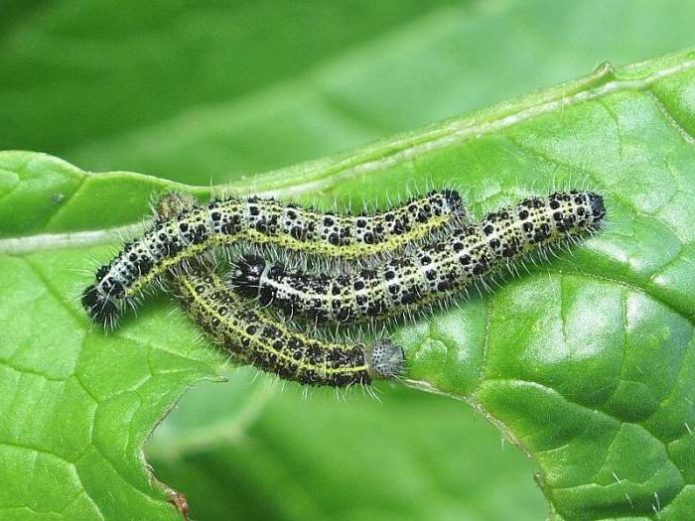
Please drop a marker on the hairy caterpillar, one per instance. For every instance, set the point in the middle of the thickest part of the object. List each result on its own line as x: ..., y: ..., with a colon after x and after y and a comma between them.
x: 178, y: 236
x: 424, y: 275
x: 232, y: 322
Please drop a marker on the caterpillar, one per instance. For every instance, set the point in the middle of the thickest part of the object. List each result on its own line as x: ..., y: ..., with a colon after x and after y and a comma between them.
x: 178, y: 236
x: 232, y: 322
x: 426, y: 275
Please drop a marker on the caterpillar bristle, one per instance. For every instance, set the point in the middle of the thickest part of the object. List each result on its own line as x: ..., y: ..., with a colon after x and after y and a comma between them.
x: 291, y: 262
x: 100, y: 310
x: 386, y: 359
x: 183, y: 229
x: 272, y: 346
x: 472, y: 255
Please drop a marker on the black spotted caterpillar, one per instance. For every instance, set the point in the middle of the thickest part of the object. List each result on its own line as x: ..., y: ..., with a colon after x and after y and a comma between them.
x: 194, y: 231
x: 271, y: 346
x: 425, y: 275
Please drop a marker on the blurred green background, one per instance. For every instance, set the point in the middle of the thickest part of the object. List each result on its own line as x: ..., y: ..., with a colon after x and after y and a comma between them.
x: 210, y: 91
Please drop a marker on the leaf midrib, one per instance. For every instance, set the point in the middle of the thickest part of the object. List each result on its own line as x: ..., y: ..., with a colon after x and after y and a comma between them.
x: 372, y: 159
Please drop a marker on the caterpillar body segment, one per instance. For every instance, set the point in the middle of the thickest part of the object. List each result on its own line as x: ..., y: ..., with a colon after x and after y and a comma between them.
x: 183, y: 231
x: 250, y: 334
x: 425, y: 275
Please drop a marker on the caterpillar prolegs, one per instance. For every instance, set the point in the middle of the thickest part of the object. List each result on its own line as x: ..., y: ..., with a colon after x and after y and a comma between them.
x: 425, y: 275
x: 188, y: 233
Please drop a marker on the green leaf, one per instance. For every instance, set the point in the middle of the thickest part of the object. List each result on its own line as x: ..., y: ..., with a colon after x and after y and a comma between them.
x: 587, y: 363
x: 218, y: 89
x: 212, y: 91
x: 249, y: 451
x: 392, y: 67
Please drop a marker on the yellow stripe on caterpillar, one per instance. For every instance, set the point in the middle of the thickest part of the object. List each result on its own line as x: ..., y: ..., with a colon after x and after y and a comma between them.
x: 185, y: 231
x: 425, y: 275
x: 232, y: 322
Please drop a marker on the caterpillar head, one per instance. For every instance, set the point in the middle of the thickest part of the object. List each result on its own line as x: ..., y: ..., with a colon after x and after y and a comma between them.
x: 246, y: 275
x: 576, y: 212
x: 453, y: 199
x: 99, y: 306
x: 385, y: 360
x: 171, y: 204
x: 598, y: 210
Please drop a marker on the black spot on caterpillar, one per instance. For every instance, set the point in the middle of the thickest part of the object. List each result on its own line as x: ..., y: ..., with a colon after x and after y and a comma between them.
x: 233, y: 323
x: 426, y: 275
x: 178, y: 236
